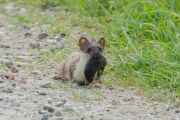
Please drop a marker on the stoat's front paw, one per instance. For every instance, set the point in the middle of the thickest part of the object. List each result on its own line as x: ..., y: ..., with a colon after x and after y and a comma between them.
x: 94, y: 85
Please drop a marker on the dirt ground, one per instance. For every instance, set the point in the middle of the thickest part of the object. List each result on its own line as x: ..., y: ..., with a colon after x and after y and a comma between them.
x: 29, y: 93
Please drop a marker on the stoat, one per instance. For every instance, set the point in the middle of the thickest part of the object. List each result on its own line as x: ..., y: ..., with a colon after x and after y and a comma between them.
x: 84, y: 66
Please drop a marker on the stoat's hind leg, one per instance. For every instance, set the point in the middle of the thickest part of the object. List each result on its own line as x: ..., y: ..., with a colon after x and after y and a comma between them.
x: 61, y: 73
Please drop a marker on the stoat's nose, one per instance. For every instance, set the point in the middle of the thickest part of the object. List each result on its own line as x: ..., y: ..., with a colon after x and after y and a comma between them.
x: 96, y: 55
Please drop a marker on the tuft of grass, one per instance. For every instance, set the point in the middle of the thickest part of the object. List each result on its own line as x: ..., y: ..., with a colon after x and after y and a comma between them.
x: 142, y: 39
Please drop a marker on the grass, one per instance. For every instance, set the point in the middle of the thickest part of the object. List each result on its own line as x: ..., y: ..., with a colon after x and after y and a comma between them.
x: 142, y: 38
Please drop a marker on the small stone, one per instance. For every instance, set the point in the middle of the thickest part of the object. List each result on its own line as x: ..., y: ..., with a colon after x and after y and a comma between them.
x: 49, y: 108
x: 49, y: 100
x: 59, y: 46
x: 24, y: 54
x: 12, y: 76
x: 136, y: 97
x: 20, y: 64
x: 51, y: 42
x: 9, y: 64
x: 5, y: 46
x: 1, y: 98
x: 57, y: 113
x: 108, y: 106
x: 177, y: 111
x: 45, y: 117
x: 47, y: 85
x: 34, y: 45
x: 16, y: 104
x: 41, y: 92
x: 14, y: 84
x: 36, y: 72
x: 21, y: 81
x: 167, y: 108
x: 127, y: 98
x: 54, y: 9
x: 7, y: 90
x: 82, y: 108
x: 63, y: 35
x: 111, y: 88
x: 1, y: 81
x: 9, y: 53
x: 35, y: 101
x: 42, y: 35
x: 22, y: 10
x: 14, y: 70
x: 3, y: 85
x: 59, y: 103
x: 28, y: 34
x: 131, y: 88
x: 67, y: 105
x: 58, y: 38
x: 43, y: 51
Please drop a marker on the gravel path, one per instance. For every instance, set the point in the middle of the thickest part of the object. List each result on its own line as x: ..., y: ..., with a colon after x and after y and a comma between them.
x: 27, y: 91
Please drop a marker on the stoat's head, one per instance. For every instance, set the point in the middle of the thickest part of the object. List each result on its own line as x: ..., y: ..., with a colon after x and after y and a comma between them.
x: 92, y: 47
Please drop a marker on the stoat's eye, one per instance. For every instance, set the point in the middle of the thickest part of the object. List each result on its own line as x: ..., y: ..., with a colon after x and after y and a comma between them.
x: 100, y: 49
x: 89, y: 49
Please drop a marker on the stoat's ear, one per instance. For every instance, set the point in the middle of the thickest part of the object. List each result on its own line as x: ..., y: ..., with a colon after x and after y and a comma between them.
x: 83, y: 43
x: 102, y: 42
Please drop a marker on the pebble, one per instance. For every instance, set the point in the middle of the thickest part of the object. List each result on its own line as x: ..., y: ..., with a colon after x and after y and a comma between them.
x: 57, y: 113
x: 3, y: 85
x: 20, y: 64
x: 108, y: 106
x: 63, y: 35
x: 49, y: 100
x: 14, y: 84
x: 58, y: 38
x: 34, y: 45
x: 41, y: 92
x: 54, y: 9
x: 45, y: 117
x: 59, y: 46
x: 50, y: 42
x: 21, y: 81
x: 167, y: 108
x: 1, y: 98
x: 59, y: 103
x: 131, y: 88
x: 35, y: 101
x: 9, y: 64
x: 42, y: 35
x: 1, y: 81
x: 177, y: 111
x: 29, y: 60
x: 82, y: 108
x: 111, y: 88
x: 47, y: 85
x: 5, y: 46
x: 14, y: 70
x: 12, y: 76
x: 36, y: 72
x: 7, y: 90
x: 127, y: 98
x: 16, y: 104
x: 49, y: 108
x: 28, y: 34
x: 24, y: 54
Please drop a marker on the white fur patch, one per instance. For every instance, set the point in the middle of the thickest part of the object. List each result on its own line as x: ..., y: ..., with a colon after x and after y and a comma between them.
x: 80, y: 66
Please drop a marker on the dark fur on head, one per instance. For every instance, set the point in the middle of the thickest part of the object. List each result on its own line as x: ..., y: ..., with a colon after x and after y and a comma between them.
x: 92, y: 47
